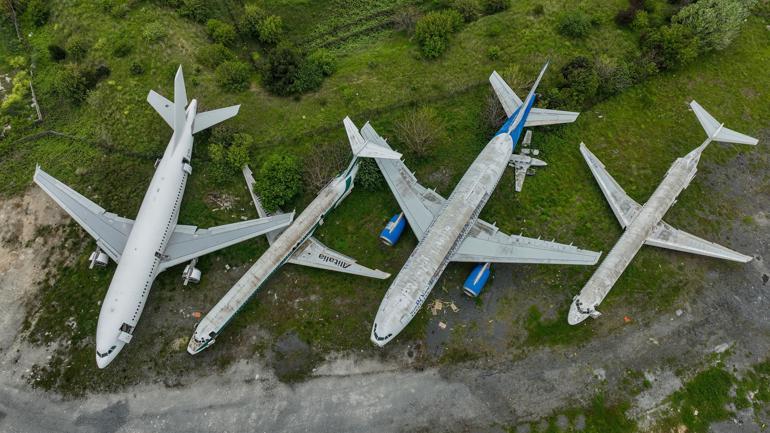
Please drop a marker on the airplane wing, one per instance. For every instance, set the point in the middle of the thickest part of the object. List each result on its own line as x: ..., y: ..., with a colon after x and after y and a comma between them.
x: 273, y: 235
x: 623, y: 206
x: 666, y: 236
x: 485, y: 243
x: 189, y: 242
x: 542, y: 116
x: 109, y: 230
x: 419, y: 204
x: 317, y: 255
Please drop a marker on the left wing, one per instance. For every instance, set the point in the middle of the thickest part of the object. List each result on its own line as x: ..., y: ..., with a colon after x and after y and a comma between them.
x: 485, y: 243
x: 542, y: 117
x: 317, y: 255
x: 665, y: 236
x: 109, y: 230
x: 189, y: 242
x: 249, y: 176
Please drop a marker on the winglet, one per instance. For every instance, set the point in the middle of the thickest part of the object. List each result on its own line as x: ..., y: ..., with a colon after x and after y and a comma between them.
x: 716, y: 131
x: 363, y: 148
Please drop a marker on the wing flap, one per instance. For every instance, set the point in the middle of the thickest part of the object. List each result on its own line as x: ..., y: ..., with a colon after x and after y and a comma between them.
x: 315, y: 254
x: 542, y: 117
x: 189, y: 242
x: 623, y: 206
x: 419, y: 204
x: 666, y: 236
x: 109, y: 230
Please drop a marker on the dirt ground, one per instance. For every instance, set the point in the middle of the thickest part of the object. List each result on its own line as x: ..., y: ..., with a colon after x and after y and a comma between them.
x: 353, y: 392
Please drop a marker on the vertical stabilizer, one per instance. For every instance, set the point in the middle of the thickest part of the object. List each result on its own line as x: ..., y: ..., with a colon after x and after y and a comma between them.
x: 716, y: 131
x: 363, y: 148
x: 180, y: 100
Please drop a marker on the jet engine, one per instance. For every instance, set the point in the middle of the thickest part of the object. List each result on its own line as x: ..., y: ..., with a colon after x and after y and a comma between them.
x: 191, y: 273
x: 393, y: 230
x: 98, y: 258
x: 476, y: 281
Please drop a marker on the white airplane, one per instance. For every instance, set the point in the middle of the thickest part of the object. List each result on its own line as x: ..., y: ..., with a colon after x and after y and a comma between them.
x: 449, y: 229
x: 154, y: 241
x: 644, y: 225
x: 295, y: 244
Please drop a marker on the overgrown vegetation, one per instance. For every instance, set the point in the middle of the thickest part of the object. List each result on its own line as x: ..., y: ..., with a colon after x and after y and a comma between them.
x: 278, y: 181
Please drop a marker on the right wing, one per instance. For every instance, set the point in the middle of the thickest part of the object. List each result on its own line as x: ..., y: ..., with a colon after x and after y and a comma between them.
x: 273, y: 235
x: 665, y: 236
x: 419, y: 204
x: 109, y: 230
x: 485, y: 243
x: 623, y: 206
x: 317, y: 255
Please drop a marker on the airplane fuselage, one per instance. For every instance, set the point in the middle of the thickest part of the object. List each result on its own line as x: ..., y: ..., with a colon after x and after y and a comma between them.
x: 276, y: 255
x: 678, y: 177
x: 140, y: 261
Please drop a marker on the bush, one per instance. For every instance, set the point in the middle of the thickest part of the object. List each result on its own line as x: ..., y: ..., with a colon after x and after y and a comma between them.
x: 16, y: 100
x: 538, y: 10
x: 220, y: 31
x: 671, y: 46
x: 253, y: 15
x: 122, y: 48
x: 213, y: 55
x: 196, y: 10
x: 626, y: 16
x: 38, y: 11
x: 57, y: 53
x: 153, y: 32
x: 70, y: 84
x: 714, y: 22
x: 575, y: 24
x: 77, y: 47
x: 324, y: 162
x: 469, y: 9
x: 136, y: 68
x: 324, y: 61
x: 495, y: 6
x: 369, y: 176
x: 434, y: 29
x: 288, y: 72
x: 493, y: 52
x: 641, y: 21
x: 614, y: 77
x: 278, y: 181
x: 420, y: 131
x: 582, y: 80
x: 270, y: 29
x: 233, y: 75
x: 405, y: 19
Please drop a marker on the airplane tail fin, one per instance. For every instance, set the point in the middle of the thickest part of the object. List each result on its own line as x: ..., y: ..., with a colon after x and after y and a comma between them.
x: 174, y: 112
x: 717, y: 131
x: 366, y: 149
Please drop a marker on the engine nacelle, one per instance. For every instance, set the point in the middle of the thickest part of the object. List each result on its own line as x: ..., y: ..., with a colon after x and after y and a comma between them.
x: 393, y: 230
x: 476, y: 281
x: 191, y: 274
x: 98, y: 258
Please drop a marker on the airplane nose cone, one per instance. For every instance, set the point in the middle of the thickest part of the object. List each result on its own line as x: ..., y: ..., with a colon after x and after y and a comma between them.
x: 102, y: 362
x: 575, y: 317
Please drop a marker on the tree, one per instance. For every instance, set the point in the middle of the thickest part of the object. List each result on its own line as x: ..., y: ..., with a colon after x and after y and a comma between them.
x: 196, y: 10
x: 233, y: 75
x: 278, y: 181
x: 70, y: 83
x: 420, y: 131
x: 671, y: 46
x: 469, y: 9
x: 38, y: 11
x: 220, y: 31
x: 434, y: 29
x: 288, y: 72
x: 714, y: 22
x: 323, y: 163
x: 582, y: 81
x: 253, y: 15
x: 574, y: 24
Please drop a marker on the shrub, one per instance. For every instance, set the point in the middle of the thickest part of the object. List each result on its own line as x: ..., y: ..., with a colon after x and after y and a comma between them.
x: 153, y: 32
x: 70, y: 83
x: 57, y: 53
x: 38, y: 11
x: 614, y: 76
x: 494, y: 115
x: 369, y: 176
x: 16, y: 100
x: 270, y: 29
x: 122, y: 48
x: 420, y: 131
x: 575, y: 24
x: 213, y: 55
x: 196, y: 10
x: 77, y: 47
x: 493, y: 52
x: 405, y: 19
x: 323, y: 163
x: 324, y: 61
x: 253, y: 15
x: 469, y: 9
x: 136, y: 68
x: 641, y: 21
x: 18, y: 62
x: 434, y: 29
x: 626, y: 16
x: 278, y: 181
x: 233, y: 75
x: 671, y: 46
x: 220, y: 31
x: 495, y: 6
x: 288, y: 72
x: 538, y: 10
x: 582, y: 80
x: 714, y: 22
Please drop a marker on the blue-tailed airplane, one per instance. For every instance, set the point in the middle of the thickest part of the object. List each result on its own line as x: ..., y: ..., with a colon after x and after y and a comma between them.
x: 448, y: 229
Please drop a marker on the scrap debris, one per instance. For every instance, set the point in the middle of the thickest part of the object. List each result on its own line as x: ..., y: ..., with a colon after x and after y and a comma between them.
x: 438, y: 305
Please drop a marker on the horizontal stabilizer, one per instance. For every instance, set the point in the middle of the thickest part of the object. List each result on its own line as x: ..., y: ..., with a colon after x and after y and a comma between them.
x: 505, y: 94
x: 180, y: 101
x: 542, y: 117
x: 210, y: 118
x: 665, y: 236
x: 716, y: 131
x: 363, y: 148
x: 163, y: 106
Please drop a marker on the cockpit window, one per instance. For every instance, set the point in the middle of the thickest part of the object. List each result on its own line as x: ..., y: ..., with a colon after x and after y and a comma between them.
x: 378, y: 337
x: 102, y: 355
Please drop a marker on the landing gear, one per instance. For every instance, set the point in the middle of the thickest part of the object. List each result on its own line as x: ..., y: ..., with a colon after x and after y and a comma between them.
x: 191, y: 273
x: 98, y: 258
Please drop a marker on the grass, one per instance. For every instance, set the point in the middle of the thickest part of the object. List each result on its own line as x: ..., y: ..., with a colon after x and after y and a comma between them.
x: 379, y: 79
